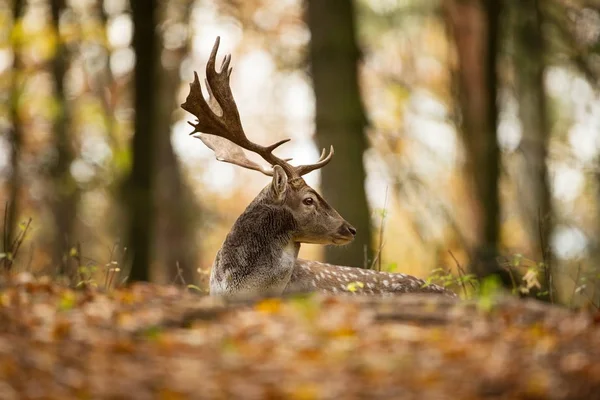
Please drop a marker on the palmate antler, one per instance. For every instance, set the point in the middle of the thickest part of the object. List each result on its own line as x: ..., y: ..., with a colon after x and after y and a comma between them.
x: 220, y: 128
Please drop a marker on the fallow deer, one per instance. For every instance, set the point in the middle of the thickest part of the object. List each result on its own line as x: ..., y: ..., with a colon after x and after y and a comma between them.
x: 259, y: 256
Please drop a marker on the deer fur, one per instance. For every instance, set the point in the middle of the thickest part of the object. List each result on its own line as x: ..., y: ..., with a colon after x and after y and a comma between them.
x: 309, y: 276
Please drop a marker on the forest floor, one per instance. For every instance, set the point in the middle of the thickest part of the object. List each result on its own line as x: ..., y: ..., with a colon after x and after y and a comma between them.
x: 162, y: 342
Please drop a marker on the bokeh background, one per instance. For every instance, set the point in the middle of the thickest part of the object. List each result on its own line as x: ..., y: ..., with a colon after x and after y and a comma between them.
x: 467, y: 133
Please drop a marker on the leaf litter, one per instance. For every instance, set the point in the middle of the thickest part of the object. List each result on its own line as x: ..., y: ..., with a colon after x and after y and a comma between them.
x: 150, y: 341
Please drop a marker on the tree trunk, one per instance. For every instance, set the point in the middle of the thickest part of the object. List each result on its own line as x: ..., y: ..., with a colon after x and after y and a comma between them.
x: 140, y: 185
x: 64, y: 193
x: 474, y: 25
x: 175, y: 244
x: 14, y: 138
x: 532, y: 180
x: 340, y: 120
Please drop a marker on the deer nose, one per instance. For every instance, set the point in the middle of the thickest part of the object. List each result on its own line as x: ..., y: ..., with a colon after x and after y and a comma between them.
x: 351, y: 229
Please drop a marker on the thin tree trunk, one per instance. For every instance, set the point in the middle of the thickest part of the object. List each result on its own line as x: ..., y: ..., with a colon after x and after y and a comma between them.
x: 140, y: 185
x: 64, y: 189
x: 474, y: 25
x: 340, y: 120
x: 15, y: 140
x: 532, y: 180
x: 104, y: 85
x: 175, y: 244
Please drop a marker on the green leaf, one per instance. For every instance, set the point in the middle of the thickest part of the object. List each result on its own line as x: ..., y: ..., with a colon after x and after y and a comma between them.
x: 153, y: 333
x: 194, y: 287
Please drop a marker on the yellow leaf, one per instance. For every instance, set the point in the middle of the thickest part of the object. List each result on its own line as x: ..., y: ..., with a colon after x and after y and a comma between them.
x: 67, y: 301
x: 307, y: 391
x: 343, y: 332
x: 269, y: 306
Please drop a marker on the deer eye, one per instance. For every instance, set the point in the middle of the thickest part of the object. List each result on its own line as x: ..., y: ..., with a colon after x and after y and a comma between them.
x: 309, y: 201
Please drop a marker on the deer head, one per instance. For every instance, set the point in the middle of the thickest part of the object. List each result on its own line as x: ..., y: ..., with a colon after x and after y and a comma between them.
x: 219, y: 127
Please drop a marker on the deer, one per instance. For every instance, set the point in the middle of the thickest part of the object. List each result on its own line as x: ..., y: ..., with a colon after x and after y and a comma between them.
x: 259, y: 256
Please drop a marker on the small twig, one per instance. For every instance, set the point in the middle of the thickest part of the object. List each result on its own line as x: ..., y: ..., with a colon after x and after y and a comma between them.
x: 6, y: 234
x: 545, y: 257
x: 112, y: 252
x: 575, y: 285
x: 31, y: 250
x: 179, y: 274
x: 461, y: 274
x: 512, y: 276
x: 79, y: 257
x: 128, y: 271
x: 378, y: 257
x: 111, y: 271
x: 6, y: 228
x: 78, y: 260
x: 594, y: 295
x: 19, y: 241
x: 106, y: 273
x: 462, y: 270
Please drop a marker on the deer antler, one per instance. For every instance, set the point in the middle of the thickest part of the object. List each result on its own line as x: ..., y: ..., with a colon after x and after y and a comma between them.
x: 220, y: 128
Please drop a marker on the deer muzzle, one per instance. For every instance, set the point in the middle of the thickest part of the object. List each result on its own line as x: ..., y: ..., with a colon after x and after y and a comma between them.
x: 345, y: 234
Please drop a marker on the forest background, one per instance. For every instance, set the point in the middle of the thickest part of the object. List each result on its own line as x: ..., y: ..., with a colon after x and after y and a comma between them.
x: 467, y: 134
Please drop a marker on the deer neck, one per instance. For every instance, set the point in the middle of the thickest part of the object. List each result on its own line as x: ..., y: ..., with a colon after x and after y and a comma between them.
x: 258, y: 255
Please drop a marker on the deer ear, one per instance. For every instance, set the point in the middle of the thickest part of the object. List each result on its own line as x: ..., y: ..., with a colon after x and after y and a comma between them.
x: 279, y: 184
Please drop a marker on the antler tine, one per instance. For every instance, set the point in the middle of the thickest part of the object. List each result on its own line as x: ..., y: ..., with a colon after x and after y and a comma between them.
x: 322, y: 156
x: 219, y: 125
x: 323, y: 161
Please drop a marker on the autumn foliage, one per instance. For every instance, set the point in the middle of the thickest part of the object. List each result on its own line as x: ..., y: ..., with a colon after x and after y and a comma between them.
x: 149, y: 341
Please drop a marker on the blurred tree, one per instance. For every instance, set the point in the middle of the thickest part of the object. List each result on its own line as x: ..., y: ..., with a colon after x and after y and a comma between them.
x: 532, y: 180
x: 64, y: 191
x: 175, y: 244
x: 14, y: 138
x: 139, y: 188
x: 104, y: 84
x: 474, y: 25
x: 340, y: 121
